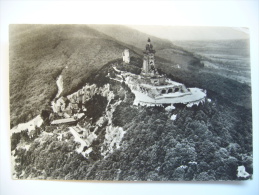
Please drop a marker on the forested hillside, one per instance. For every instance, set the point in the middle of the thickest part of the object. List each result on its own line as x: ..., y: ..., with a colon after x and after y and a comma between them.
x: 205, y: 142
x: 40, y: 53
x: 116, y: 140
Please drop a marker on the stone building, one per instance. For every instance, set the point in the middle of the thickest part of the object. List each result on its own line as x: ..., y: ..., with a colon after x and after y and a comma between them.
x: 153, y: 84
x: 149, y: 58
x: 169, y: 90
x: 126, y: 56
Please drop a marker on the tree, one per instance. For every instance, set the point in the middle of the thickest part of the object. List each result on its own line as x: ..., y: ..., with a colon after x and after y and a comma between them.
x: 15, y: 139
x: 205, y: 176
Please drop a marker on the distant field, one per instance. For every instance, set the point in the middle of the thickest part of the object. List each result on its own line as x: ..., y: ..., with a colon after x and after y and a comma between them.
x: 229, y: 58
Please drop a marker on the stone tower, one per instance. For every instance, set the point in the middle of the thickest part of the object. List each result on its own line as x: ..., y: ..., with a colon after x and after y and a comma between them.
x: 149, y: 58
x: 126, y: 56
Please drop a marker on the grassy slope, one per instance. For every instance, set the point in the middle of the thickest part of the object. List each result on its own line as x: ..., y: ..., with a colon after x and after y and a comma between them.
x: 39, y: 53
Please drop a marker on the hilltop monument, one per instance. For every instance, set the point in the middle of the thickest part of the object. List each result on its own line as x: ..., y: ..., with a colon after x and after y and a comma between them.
x: 151, y: 88
x: 149, y: 71
x: 149, y: 59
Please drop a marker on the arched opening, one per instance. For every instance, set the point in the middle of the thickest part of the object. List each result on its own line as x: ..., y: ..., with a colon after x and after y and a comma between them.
x: 170, y: 90
x: 176, y: 89
x: 163, y: 91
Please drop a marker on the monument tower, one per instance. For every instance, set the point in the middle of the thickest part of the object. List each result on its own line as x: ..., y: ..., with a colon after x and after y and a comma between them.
x: 149, y: 58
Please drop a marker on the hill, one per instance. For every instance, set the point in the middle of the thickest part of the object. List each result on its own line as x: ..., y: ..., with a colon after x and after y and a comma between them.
x: 119, y: 141
x: 164, y: 49
x: 187, y: 66
x: 115, y: 140
x: 40, y: 53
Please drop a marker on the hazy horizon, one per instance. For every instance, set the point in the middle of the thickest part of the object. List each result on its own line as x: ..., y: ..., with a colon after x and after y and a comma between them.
x: 193, y: 33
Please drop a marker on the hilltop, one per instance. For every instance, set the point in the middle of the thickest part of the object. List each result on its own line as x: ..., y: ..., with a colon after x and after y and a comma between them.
x: 40, y: 53
x: 177, y: 56
x: 80, y: 68
x: 187, y: 66
x: 119, y: 141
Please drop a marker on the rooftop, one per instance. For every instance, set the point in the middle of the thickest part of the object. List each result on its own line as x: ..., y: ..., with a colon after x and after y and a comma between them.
x: 62, y: 121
